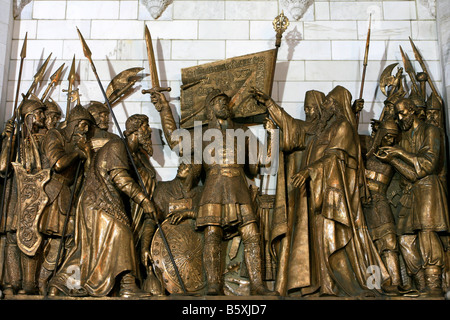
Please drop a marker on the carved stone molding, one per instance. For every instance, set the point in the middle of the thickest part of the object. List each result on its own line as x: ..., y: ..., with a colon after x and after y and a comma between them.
x: 156, y: 7
x: 296, y: 8
x: 18, y: 6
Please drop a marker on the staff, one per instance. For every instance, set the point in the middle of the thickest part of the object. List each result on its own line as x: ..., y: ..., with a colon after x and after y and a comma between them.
x: 365, y: 62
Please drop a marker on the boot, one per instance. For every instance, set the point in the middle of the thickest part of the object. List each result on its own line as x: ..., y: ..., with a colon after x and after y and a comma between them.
x: 44, y: 275
x: 393, y: 265
x: 252, y: 256
x: 419, y: 281
x: 29, y: 272
x: 212, y: 262
x: 433, y: 281
x: 129, y: 289
x: 13, y: 274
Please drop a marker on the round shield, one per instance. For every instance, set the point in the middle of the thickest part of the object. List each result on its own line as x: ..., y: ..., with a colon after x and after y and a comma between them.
x: 186, y: 246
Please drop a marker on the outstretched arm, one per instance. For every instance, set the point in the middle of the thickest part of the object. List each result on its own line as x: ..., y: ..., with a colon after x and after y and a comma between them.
x: 167, y: 120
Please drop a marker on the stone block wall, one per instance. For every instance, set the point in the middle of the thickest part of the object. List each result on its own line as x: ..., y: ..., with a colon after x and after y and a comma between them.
x: 323, y: 49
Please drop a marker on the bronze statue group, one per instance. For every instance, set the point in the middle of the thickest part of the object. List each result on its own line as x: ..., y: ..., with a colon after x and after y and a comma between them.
x: 353, y: 215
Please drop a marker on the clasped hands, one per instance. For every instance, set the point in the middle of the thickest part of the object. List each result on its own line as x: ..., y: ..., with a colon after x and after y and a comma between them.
x: 388, y: 153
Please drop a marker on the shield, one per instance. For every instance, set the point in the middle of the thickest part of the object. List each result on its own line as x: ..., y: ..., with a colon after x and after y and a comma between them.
x: 32, y: 200
x: 186, y: 246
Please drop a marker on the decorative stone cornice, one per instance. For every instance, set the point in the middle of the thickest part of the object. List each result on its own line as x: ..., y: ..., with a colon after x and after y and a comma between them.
x: 156, y: 7
x: 18, y: 6
x: 296, y: 8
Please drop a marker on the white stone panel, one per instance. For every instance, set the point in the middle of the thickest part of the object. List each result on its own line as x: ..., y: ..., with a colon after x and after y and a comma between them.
x: 251, y: 10
x: 179, y: 30
x: 423, y: 30
x: 49, y: 9
x: 117, y: 29
x: 358, y: 10
x: 290, y: 71
x: 93, y: 10
x: 263, y: 30
x: 128, y: 10
x: 332, y: 70
x: 37, y: 49
x: 62, y: 29
x: 399, y: 10
x: 137, y: 49
x: 222, y: 30
x: 24, y: 26
x: 385, y: 30
x: 236, y: 48
x: 322, y: 10
x: 305, y: 50
x: 423, y: 12
x: 101, y: 49
x: 331, y: 30
x: 198, y: 10
x: 28, y: 70
x: 198, y: 50
x: 295, y: 91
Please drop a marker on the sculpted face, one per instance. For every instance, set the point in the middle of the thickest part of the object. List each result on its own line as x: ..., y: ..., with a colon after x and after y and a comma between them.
x: 405, y: 116
x: 183, y: 171
x: 328, y: 108
x: 434, y: 117
x: 388, y: 140
x: 311, y: 113
x: 219, y: 106
x: 38, y: 118
x: 145, y: 138
x: 51, y: 120
x: 102, y: 120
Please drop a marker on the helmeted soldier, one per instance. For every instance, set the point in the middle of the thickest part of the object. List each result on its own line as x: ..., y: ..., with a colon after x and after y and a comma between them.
x: 423, y: 214
x: 99, y: 135
x: 225, y: 207
x: 63, y: 148
x: 377, y: 211
x: 52, y: 113
x: 20, y: 266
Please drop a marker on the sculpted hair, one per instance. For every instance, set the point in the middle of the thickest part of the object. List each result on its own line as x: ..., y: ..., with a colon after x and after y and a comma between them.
x: 134, y: 123
x: 409, y: 104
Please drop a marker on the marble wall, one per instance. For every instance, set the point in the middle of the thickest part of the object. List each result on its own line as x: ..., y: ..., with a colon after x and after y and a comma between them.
x: 6, y: 26
x: 321, y: 50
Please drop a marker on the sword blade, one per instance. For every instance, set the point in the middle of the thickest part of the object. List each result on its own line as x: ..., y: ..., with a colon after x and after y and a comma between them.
x: 151, y: 59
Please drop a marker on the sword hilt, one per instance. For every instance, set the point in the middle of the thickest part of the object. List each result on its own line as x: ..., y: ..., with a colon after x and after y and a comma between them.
x: 156, y: 89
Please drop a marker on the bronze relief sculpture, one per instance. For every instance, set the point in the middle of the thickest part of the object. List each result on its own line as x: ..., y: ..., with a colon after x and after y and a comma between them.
x: 85, y: 215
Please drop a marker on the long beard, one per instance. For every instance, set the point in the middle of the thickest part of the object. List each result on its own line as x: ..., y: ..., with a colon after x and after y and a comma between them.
x: 146, y: 145
x: 406, y: 123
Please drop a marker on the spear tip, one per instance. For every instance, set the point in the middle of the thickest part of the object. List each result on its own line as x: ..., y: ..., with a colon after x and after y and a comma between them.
x: 23, y: 53
x: 87, y: 52
x: 55, y: 77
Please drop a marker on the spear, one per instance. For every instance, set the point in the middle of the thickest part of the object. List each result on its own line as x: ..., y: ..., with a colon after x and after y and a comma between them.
x: 425, y: 70
x: 37, y: 78
x: 69, y: 90
x: 88, y: 54
x: 23, y: 54
x: 53, y: 81
x: 409, y: 69
x: 366, y: 58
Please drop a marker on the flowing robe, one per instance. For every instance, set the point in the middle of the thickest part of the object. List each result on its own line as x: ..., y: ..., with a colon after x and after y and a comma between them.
x: 104, y: 246
x: 329, y: 248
